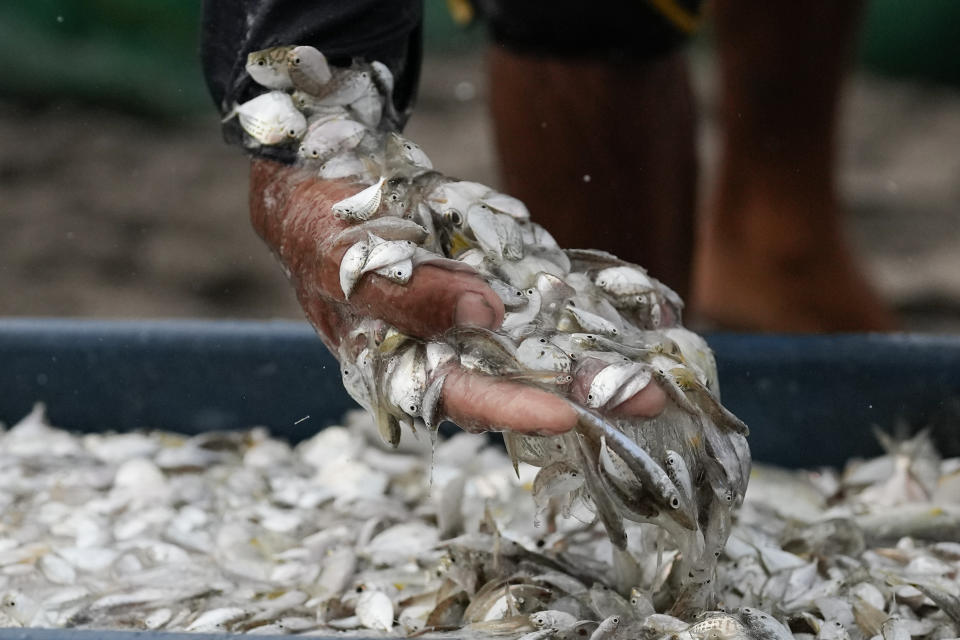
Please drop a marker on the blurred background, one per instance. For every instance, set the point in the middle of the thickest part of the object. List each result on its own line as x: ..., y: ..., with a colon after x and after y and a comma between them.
x: 119, y: 199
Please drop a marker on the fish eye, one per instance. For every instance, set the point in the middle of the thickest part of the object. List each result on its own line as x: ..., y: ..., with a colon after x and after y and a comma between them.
x: 456, y: 218
x: 615, y: 621
x: 296, y: 60
x: 261, y: 62
x: 543, y: 340
x: 615, y: 331
x: 589, y: 396
x: 674, y: 502
x: 573, y: 474
x: 408, y: 147
x: 529, y: 292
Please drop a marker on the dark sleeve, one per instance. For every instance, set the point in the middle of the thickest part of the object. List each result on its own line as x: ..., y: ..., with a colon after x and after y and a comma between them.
x: 384, y: 30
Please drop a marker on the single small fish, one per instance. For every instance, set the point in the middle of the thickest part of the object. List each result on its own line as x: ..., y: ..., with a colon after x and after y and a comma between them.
x: 343, y: 165
x: 398, y: 272
x: 676, y: 468
x: 552, y: 619
x: 268, y: 67
x: 308, y: 69
x: 538, y: 353
x: 610, y: 379
x: 362, y: 206
x: 407, y: 381
x: 328, y: 137
x: 351, y: 266
x: 388, y: 252
x: 592, y: 322
x: 346, y: 86
x: 375, y: 610
x: 555, y: 480
x: 624, y: 280
x: 486, y: 229
x: 400, y: 150
x: 606, y: 629
x: 271, y: 118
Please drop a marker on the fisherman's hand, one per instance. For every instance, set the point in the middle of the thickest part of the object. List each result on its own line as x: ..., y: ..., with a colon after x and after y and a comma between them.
x: 291, y: 210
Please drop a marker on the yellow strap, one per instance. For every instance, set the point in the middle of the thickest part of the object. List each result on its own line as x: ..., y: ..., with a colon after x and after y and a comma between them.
x: 680, y: 17
x: 461, y: 11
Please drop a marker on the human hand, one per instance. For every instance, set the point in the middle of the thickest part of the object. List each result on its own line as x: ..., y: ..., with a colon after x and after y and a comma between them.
x: 291, y: 209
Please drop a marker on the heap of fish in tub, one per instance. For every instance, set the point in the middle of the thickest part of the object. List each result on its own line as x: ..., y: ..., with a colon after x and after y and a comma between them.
x: 571, y: 314
x: 240, y: 532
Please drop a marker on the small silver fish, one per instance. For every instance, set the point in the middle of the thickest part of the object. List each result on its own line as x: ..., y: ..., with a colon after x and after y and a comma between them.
x: 607, y: 627
x: 343, y: 165
x: 388, y: 252
x: 624, y: 280
x: 361, y: 206
x: 375, y: 610
x: 538, y: 353
x: 323, y: 139
x: 271, y: 118
x: 400, y: 150
x: 676, y: 468
x: 592, y: 322
x: 268, y: 67
x: 346, y: 86
x: 308, y: 69
x: 351, y: 266
x: 610, y: 379
x: 398, y: 272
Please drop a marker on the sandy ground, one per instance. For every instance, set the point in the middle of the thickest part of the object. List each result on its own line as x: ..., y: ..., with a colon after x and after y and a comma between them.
x: 106, y: 215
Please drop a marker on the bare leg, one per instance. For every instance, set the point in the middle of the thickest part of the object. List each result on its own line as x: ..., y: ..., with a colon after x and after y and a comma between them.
x: 602, y: 153
x: 771, y: 252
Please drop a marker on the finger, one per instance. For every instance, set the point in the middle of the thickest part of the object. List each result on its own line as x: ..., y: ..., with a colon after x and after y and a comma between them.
x: 646, y: 403
x: 433, y: 301
x: 484, y: 403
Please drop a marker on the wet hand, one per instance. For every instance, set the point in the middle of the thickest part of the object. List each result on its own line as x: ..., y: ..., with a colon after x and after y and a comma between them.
x: 291, y: 210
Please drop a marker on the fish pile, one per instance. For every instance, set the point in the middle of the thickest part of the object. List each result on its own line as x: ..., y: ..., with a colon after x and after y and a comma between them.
x: 580, y: 323
x: 241, y: 532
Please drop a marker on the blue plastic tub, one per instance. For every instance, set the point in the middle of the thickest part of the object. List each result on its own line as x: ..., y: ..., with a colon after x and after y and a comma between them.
x: 809, y: 400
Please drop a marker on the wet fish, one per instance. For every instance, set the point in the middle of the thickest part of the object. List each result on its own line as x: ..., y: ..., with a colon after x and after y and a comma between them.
x: 268, y: 67
x: 271, y: 118
x: 362, y: 205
